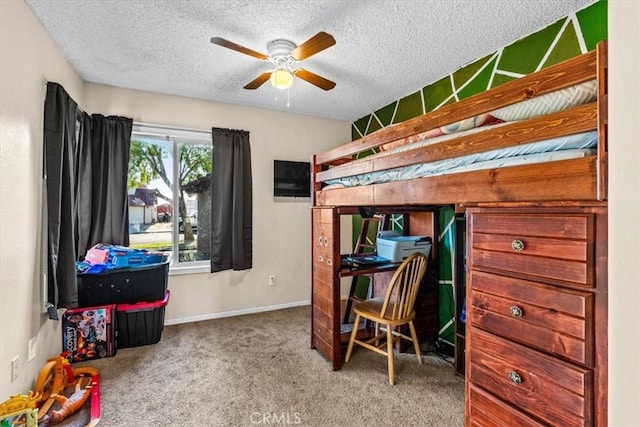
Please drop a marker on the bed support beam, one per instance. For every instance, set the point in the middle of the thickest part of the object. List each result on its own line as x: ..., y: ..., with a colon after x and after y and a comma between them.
x: 573, y: 179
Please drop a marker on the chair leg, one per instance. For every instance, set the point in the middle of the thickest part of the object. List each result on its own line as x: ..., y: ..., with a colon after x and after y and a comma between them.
x: 354, y: 332
x: 390, y: 353
x: 376, y: 331
x: 416, y: 344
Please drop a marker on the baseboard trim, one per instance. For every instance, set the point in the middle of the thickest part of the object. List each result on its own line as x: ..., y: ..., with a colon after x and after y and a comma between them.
x: 233, y: 313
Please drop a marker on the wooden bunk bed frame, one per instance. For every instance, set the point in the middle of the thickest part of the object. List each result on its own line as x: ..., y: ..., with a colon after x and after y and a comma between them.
x: 576, y: 179
x: 536, y: 254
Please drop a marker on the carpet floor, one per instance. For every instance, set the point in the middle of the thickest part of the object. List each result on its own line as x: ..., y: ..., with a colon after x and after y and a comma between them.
x: 259, y: 369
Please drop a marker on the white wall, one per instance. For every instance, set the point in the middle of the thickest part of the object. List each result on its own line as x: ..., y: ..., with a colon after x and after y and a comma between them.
x: 624, y: 216
x: 28, y: 58
x: 281, y: 230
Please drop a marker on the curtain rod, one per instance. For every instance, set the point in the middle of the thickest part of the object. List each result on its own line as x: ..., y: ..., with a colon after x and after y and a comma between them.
x: 46, y: 84
x: 153, y: 125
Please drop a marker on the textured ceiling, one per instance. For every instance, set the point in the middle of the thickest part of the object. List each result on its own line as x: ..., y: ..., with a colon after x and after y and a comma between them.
x: 384, y: 51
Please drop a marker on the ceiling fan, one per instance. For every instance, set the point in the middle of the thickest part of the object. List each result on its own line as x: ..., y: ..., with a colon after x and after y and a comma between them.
x: 284, y: 55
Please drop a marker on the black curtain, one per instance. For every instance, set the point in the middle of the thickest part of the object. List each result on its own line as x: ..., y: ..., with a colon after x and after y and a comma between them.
x: 83, y: 185
x: 59, y: 141
x: 231, y: 201
x: 86, y: 159
x: 108, y: 211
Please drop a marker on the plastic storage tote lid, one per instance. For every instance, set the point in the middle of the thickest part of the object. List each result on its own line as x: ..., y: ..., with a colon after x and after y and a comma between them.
x: 142, y: 306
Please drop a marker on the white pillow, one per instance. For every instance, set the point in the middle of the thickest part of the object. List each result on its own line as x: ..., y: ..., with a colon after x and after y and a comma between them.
x: 559, y: 100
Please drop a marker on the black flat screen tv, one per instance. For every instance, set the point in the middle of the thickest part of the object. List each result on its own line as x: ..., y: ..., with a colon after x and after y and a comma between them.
x: 291, y: 179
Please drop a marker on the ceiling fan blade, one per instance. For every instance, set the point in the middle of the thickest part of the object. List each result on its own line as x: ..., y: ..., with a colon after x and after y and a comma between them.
x: 314, y: 79
x: 233, y: 46
x: 315, y: 44
x: 258, y: 81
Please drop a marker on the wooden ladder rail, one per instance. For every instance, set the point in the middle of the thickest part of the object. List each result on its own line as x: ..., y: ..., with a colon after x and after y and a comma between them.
x: 361, y: 244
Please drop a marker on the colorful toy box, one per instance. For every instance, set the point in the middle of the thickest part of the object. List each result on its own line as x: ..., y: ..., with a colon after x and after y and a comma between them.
x: 115, y: 256
x: 103, y: 257
x: 89, y: 333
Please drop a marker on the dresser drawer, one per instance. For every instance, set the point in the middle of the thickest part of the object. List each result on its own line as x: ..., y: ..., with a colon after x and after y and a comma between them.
x: 559, y: 271
x: 549, y: 318
x: 556, y: 392
x: 520, y: 244
x: 556, y: 247
x: 486, y: 410
x: 564, y: 226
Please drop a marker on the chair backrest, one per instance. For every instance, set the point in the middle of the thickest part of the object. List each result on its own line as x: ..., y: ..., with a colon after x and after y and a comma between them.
x: 403, y: 288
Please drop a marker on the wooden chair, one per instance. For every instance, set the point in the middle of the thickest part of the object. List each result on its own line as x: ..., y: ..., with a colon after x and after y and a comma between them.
x: 394, y: 310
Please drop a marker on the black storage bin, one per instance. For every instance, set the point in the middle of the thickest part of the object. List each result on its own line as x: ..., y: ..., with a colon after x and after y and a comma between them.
x: 123, y: 286
x: 141, y: 323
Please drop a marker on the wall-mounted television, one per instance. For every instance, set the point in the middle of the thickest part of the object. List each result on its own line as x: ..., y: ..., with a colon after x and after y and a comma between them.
x: 291, y: 179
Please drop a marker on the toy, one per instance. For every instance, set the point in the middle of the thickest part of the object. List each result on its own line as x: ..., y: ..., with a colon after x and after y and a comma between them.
x: 55, y: 377
x: 88, y: 333
x: 68, y: 405
x: 21, y: 408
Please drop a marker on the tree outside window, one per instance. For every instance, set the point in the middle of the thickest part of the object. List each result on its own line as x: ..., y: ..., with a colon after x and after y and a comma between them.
x: 166, y: 203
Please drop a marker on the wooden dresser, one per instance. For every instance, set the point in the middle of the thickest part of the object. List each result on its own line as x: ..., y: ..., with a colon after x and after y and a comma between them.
x: 536, y: 343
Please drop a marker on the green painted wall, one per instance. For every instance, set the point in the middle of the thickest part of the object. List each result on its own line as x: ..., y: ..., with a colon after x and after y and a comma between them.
x: 568, y: 37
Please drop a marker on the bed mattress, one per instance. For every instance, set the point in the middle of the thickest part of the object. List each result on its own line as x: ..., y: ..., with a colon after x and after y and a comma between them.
x: 561, y: 148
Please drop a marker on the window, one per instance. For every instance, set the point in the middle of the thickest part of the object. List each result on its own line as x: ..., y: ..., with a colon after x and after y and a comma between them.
x: 169, y: 193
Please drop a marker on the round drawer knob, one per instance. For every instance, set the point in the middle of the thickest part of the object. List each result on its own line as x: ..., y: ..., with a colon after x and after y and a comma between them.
x: 515, y: 377
x: 515, y: 311
x: 517, y: 245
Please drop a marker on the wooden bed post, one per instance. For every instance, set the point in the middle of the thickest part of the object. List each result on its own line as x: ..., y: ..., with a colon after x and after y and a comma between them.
x: 603, y: 121
x: 325, y: 284
x: 315, y: 186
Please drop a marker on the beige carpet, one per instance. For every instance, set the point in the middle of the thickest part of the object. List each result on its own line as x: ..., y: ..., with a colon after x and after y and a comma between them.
x: 259, y: 370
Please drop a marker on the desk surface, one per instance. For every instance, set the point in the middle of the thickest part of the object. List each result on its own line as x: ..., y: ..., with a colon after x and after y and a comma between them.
x: 347, y: 270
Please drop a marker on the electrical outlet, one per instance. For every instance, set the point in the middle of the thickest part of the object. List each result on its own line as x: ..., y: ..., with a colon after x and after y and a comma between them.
x: 32, y: 348
x: 272, y: 280
x: 15, y: 367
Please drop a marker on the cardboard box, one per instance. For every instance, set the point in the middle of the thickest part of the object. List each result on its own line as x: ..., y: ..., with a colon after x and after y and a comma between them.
x: 89, y: 333
x: 397, y: 248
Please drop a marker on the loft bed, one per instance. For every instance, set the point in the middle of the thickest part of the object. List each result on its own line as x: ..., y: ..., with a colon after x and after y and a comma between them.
x: 564, y: 105
x: 536, y: 235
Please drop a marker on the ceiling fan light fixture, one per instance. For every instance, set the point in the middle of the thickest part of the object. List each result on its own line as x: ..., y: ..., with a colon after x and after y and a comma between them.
x: 281, y: 78
x: 284, y: 55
